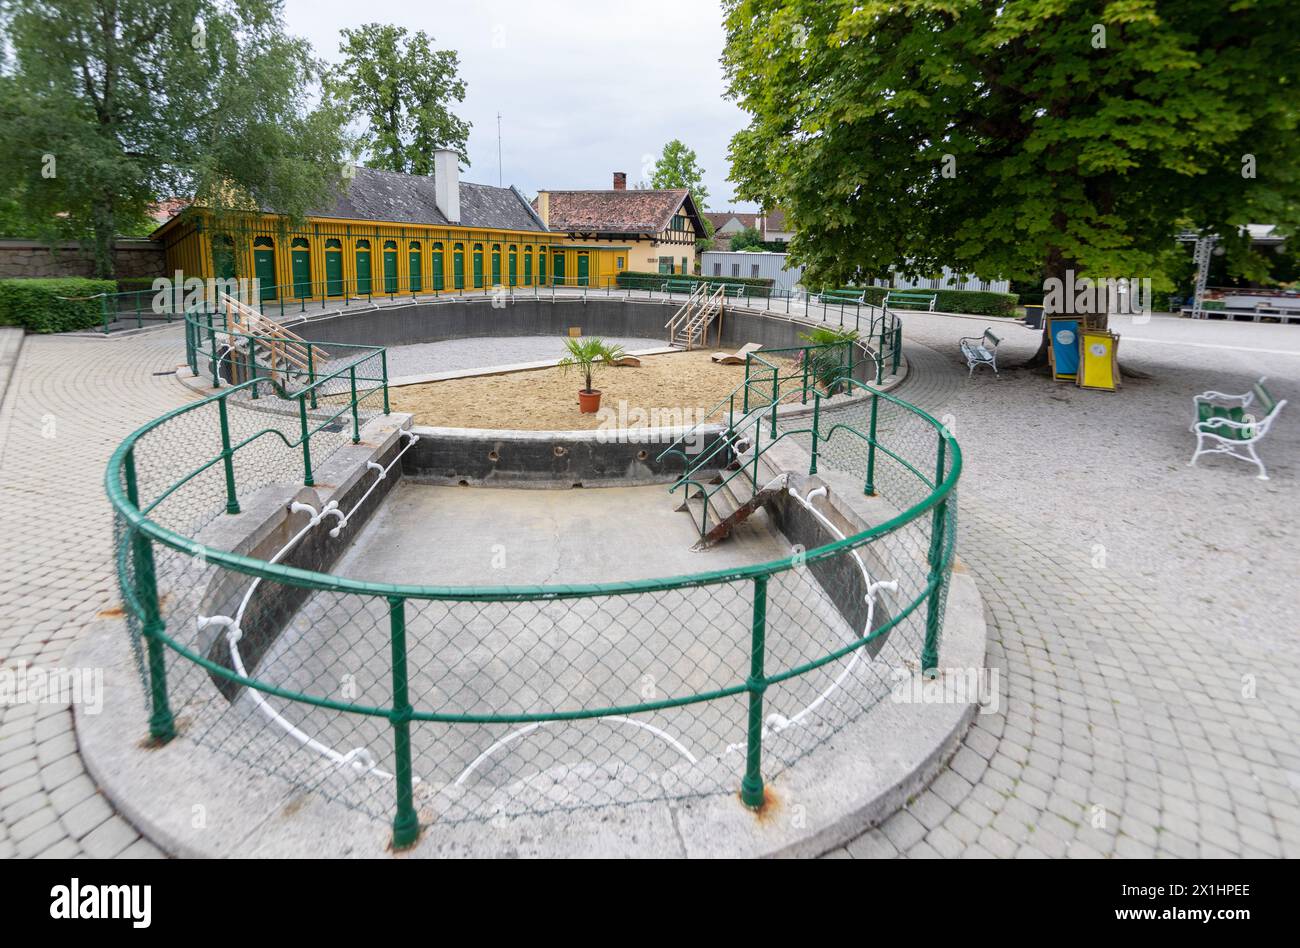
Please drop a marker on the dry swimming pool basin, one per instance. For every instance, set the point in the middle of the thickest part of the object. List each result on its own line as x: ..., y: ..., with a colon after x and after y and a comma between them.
x: 364, y: 653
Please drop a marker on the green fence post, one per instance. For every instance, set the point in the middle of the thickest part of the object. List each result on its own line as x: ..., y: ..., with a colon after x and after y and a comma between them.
x: 311, y: 373
x: 306, y: 442
x: 227, y: 457
x: 870, y: 488
x: 806, y: 360
x: 383, y: 364
x: 162, y: 726
x: 212, y: 355
x: 898, y: 345
x: 776, y: 397
x: 751, y: 787
x: 930, y: 651
x: 406, y: 824
x: 880, y: 354
x: 356, y: 419
x: 817, y: 410
x: 252, y: 371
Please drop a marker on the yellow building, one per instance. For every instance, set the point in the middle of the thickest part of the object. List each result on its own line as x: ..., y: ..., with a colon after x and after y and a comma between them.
x: 607, y: 232
x: 385, y: 233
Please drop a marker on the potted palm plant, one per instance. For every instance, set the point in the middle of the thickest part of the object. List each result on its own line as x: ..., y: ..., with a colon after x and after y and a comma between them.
x: 585, y: 355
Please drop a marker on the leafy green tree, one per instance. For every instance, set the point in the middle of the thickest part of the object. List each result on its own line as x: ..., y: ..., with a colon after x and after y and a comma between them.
x: 1017, y: 139
x: 677, y: 168
x: 747, y: 239
x: 404, y: 88
x: 107, y: 105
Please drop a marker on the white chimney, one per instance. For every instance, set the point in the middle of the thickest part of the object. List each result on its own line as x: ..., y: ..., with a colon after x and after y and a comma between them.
x: 446, y: 183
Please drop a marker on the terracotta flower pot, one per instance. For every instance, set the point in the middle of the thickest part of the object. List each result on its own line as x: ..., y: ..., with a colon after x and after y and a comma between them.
x: 589, y: 402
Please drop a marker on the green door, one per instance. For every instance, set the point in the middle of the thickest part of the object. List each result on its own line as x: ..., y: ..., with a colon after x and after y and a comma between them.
x: 528, y: 266
x: 514, y: 265
x: 558, y: 270
x: 478, y: 266
x: 416, y: 277
x: 390, y: 266
x: 437, y: 266
x: 541, y: 268
x: 334, y: 267
x: 264, y: 266
x: 363, y: 268
x: 300, y: 257
x: 496, y: 265
x: 584, y: 270
x: 458, y: 267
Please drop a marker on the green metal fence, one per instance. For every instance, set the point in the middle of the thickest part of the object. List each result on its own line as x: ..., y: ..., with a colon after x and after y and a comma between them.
x: 137, y: 308
x: 425, y: 704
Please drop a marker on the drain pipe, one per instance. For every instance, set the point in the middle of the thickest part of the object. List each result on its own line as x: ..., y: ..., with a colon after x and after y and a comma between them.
x: 778, y: 722
x: 359, y: 759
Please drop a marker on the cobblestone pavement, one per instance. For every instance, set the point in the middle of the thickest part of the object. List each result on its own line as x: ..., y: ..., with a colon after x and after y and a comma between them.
x: 1144, y: 616
x: 68, y: 404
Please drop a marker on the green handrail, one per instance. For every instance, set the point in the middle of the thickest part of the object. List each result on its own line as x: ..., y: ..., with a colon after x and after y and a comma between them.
x: 142, y: 596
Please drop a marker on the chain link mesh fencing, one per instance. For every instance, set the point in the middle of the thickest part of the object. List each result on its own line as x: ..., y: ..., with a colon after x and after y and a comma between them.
x: 481, y: 704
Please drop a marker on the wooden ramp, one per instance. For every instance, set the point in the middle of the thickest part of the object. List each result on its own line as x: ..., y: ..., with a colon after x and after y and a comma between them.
x: 276, y: 351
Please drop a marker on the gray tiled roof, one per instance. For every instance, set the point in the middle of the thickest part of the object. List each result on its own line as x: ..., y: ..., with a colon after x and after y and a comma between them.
x: 398, y: 198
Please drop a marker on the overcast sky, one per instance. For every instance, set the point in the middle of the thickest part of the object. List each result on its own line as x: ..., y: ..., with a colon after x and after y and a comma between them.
x: 584, y: 89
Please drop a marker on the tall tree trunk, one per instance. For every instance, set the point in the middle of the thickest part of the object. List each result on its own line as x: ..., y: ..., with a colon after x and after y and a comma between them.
x: 1055, y: 267
x: 105, y: 223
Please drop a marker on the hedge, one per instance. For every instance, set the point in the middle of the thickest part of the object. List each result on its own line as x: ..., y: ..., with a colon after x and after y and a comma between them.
x: 36, y: 304
x: 975, y: 302
x: 639, y: 280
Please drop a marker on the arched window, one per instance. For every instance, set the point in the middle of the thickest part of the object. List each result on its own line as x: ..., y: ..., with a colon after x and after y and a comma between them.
x: 528, y: 265
x: 513, y: 265
x: 415, y: 271
x: 390, y: 266
x: 478, y: 266
x: 436, y: 263
x: 363, y: 268
x: 264, y: 266
x: 300, y: 257
x: 458, y: 266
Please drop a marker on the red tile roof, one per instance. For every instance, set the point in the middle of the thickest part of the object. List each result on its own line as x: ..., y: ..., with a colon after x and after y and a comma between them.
x: 720, y: 218
x: 774, y: 220
x: 617, y: 212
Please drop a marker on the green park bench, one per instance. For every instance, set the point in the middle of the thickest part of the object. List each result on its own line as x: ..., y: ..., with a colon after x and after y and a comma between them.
x: 924, y: 301
x: 856, y: 297
x: 679, y: 286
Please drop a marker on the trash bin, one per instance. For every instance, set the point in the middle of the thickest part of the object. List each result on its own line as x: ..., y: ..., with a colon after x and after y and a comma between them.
x: 1034, y: 316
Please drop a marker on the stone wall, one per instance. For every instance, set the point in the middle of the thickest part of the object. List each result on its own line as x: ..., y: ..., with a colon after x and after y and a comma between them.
x: 135, y: 257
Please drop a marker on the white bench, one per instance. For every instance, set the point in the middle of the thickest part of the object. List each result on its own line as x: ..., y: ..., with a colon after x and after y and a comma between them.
x: 980, y: 350
x: 1223, y: 426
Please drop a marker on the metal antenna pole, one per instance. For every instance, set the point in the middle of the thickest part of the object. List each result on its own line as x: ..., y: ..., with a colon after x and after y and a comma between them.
x: 498, y: 149
x: 1201, y: 257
